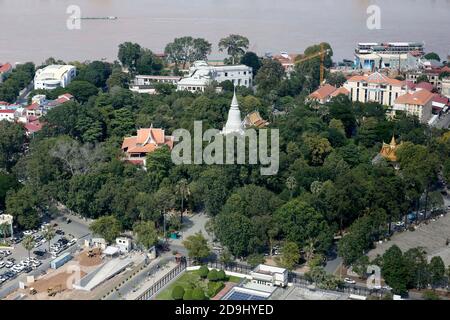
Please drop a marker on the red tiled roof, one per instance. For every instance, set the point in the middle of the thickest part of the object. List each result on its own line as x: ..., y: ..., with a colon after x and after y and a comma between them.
x: 418, y: 98
x: 5, y: 68
x: 323, y: 92
x: 424, y: 85
x: 377, y: 78
x: 339, y: 91
x: 7, y: 111
x: 440, y: 99
x: 33, y: 106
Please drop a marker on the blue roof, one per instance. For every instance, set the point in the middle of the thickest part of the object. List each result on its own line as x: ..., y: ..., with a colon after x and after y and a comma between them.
x: 235, y: 295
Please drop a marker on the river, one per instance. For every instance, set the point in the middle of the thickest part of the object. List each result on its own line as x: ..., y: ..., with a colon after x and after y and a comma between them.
x: 32, y: 30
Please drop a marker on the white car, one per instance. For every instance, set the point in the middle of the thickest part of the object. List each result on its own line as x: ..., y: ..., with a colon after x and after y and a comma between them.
x: 349, y: 281
x: 2, y: 264
x: 72, y: 242
x: 9, y: 264
x: 28, y: 232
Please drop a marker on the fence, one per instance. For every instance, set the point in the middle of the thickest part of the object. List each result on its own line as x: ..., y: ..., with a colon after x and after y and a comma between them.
x: 163, y: 281
x: 295, y: 278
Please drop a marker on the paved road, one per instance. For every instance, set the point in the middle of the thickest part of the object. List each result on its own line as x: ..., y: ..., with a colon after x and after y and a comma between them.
x: 443, y: 122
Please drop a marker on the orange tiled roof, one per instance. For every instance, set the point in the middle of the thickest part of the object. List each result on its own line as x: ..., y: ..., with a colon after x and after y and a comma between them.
x: 418, y: 98
x: 147, y: 140
x: 323, y: 92
x: 377, y: 77
x: 339, y: 91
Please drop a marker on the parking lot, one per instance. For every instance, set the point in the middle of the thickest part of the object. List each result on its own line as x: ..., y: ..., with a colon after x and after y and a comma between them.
x: 15, y: 264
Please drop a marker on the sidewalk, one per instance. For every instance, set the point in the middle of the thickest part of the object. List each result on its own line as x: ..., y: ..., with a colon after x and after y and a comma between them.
x: 149, y: 281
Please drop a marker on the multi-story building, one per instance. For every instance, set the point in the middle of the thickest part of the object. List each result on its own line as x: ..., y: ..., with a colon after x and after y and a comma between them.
x: 432, y: 76
x: 445, y: 90
x: 375, y: 87
x: 418, y: 103
x: 373, y: 56
x: 54, y: 76
x: 201, y: 75
x: 146, y: 84
x: 390, y: 47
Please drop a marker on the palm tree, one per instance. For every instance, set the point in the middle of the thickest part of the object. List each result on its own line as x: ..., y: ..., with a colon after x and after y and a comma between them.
x: 182, y: 189
x: 235, y: 46
x: 49, y: 234
x: 291, y: 184
x: 28, y: 244
x: 4, y: 228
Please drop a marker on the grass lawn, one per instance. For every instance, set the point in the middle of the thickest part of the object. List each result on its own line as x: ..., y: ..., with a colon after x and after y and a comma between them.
x: 189, y: 279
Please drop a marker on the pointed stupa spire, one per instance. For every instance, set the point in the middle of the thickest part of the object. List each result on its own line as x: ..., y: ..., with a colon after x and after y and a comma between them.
x: 234, y: 121
x: 393, y: 143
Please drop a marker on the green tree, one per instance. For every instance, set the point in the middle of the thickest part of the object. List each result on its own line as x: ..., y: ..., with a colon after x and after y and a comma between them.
x: 148, y: 63
x: 197, y: 246
x: 235, y: 46
x: 437, y: 271
x: 290, y: 255
x: 432, y: 56
x: 187, y: 49
x: 178, y: 293
x: 336, y: 79
x: 12, y: 138
x: 198, y: 294
x: 269, y: 76
x: 82, y: 90
x: 28, y: 243
x: 7, y: 182
x: 128, y: 54
x: 108, y: 227
x: 235, y: 231
x: 49, y: 233
x: 250, y: 59
x: 146, y: 233
x: 300, y: 223
x: 183, y: 191
x: 252, y: 200
x: 395, y: 270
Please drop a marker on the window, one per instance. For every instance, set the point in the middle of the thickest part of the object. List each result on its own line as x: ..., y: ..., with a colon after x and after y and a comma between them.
x: 226, y: 74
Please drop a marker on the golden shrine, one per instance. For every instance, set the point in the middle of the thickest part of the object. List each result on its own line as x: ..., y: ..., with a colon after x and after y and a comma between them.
x: 388, y: 151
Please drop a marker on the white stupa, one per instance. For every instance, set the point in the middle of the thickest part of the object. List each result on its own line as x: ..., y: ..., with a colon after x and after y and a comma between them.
x: 234, y: 122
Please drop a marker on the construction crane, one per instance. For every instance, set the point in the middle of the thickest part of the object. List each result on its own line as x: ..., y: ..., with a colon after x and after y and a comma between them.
x: 322, y: 53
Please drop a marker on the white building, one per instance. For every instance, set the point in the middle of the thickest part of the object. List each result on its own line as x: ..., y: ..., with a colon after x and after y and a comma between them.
x: 394, y: 61
x: 270, y: 276
x: 124, y: 244
x: 54, y: 76
x: 372, y: 56
x: 146, y: 84
x: 446, y: 87
x: 418, y: 103
x: 375, y: 87
x: 201, y: 75
x: 7, y: 114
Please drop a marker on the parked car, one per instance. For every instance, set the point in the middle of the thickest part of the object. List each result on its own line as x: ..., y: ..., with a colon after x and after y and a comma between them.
x: 9, y: 264
x: 27, y: 232
x: 60, y: 232
x: 349, y: 281
x: 2, y: 264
